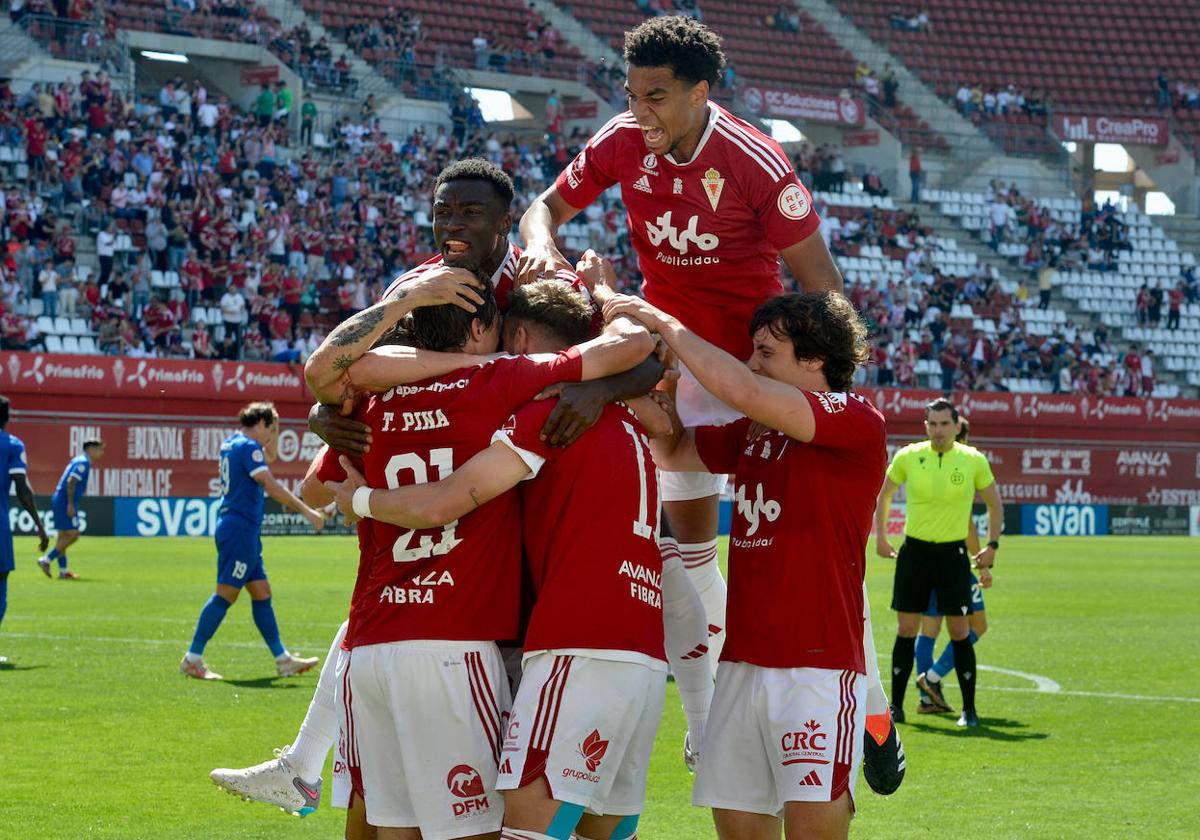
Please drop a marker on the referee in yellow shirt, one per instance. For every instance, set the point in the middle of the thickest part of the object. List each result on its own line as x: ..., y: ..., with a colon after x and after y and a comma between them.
x: 942, y: 477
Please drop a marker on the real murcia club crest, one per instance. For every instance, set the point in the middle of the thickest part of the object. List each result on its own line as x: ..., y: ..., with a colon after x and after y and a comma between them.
x: 714, y: 184
x: 677, y: 186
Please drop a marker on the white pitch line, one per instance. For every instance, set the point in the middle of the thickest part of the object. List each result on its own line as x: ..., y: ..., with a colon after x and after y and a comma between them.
x: 1043, y: 683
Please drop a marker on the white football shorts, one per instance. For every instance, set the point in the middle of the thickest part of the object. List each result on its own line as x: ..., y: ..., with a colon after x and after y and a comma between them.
x: 697, y: 407
x: 342, y: 785
x: 424, y: 725
x: 586, y: 725
x: 778, y: 735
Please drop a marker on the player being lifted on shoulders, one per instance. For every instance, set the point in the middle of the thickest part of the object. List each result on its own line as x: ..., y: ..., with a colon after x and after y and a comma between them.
x: 784, y: 736
x: 713, y: 203
x: 590, y: 525
x: 245, y: 477
x: 65, y: 504
x: 431, y: 596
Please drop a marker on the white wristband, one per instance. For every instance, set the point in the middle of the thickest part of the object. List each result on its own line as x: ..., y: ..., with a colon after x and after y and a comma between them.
x: 361, y: 503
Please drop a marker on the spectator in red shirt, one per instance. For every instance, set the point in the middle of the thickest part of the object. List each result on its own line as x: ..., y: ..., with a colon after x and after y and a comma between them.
x: 914, y: 173
x: 293, y: 286
x: 1174, y: 306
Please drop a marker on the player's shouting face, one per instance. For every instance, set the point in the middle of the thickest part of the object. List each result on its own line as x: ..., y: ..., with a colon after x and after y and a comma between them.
x: 470, y: 223
x: 667, y: 108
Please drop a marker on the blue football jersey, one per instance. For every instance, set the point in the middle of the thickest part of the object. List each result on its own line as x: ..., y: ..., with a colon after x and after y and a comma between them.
x: 79, y: 467
x: 12, y: 459
x: 241, y: 459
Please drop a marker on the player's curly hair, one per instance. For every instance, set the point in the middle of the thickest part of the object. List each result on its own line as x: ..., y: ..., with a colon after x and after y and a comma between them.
x: 688, y: 47
x: 554, y: 307
x: 447, y: 327
x: 820, y: 325
x: 478, y: 169
x: 256, y: 412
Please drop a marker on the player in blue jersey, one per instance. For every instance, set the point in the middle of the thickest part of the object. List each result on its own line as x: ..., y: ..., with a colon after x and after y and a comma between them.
x: 65, y: 507
x: 244, y: 478
x: 12, y: 462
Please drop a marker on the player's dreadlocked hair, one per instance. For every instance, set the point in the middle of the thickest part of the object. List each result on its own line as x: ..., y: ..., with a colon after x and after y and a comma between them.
x: 255, y: 412
x: 478, y: 169
x: 820, y: 325
x: 688, y: 47
x: 447, y: 327
x: 553, y: 306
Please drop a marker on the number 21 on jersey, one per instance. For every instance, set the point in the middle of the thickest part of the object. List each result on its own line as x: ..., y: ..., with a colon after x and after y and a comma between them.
x: 443, y: 459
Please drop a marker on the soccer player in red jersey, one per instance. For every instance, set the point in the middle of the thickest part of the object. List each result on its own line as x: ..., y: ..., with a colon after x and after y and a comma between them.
x: 430, y: 603
x: 587, y: 710
x: 785, y: 732
x: 713, y: 203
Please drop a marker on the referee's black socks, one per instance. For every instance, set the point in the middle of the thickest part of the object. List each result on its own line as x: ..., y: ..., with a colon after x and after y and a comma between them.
x: 964, y: 664
x: 903, y: 653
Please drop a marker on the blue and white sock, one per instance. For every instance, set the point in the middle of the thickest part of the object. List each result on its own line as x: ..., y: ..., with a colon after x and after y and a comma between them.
x: 60, y: 556
x: 264, y: 620
x: 945, y: 663
x: 210, y: 619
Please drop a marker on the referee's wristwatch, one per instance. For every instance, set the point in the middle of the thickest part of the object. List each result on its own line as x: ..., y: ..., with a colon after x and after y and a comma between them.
x: 993, y: 544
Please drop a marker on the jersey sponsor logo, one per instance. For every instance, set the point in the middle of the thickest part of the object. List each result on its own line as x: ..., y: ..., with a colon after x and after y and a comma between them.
x: 834, y: 402
x: 643, y: 184
x: 432, y: 388
x: 421, y: 589
x: 756, y: 508
x: 663, y: 230
x: 464, y: 782
x: 575, y: 170
x: 677, y: 187
x: 793, y: 203
x: 713, y: 185
x: 645, y: 585
x: 592, y: 749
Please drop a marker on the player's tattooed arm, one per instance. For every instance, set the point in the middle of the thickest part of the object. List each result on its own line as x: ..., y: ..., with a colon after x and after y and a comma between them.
x: 325, y: 370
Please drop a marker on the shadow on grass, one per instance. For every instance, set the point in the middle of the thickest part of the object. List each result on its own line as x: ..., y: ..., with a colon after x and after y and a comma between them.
x: 996, y: 729
x: 263, y: 682
x: 12, y: 666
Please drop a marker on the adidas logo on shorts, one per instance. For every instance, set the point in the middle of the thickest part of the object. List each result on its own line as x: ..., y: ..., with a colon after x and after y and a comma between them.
x: 811, y: 780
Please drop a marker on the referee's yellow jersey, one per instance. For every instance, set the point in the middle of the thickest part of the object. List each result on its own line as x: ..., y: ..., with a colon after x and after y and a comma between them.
x: 940, y: 488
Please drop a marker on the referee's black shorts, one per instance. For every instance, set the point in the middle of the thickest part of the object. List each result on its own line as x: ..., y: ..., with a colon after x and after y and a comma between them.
x: 923, y: 567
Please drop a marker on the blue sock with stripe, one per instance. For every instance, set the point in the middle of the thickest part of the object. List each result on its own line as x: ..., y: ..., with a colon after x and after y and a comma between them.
x: 264, y: 620
x: 945, y: 663
x: 210, y: 619
x: 924, y: 653
x: 60, y: 556
x: 3, y: 595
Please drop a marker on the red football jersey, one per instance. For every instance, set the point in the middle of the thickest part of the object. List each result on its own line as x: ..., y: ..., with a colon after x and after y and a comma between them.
x: 461, y: 581
x: 707, y: 232
x: 797, y: 548
x: 502, y: 280
x: 590, y: 522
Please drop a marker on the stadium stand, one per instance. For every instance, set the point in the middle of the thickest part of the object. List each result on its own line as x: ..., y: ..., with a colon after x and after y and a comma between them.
x: 763, y: 53
x: 1057, y: 47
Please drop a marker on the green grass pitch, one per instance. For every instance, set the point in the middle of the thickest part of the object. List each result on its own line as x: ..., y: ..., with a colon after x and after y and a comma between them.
x: 101, y: 737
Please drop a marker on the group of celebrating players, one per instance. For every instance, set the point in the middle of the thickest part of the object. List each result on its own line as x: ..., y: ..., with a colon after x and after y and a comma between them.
x: 534, y: 461
x: 504, y: 506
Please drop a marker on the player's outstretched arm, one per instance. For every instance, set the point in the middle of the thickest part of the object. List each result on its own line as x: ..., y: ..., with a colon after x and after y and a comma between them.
x: 281, y: 494
x: 579, y: 404
x: 485, y: 476
x: 774, y: 404
x: 25, y: 497
x: 387, y: 367
x: 325, y: 370
x: 539, y: 225
x: 812, y: 265
x: 883, y: 507
x: 621, y: 346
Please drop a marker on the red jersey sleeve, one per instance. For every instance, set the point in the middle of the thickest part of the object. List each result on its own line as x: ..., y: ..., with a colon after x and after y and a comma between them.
x: 594, y: 169
x: 329, y: 468
x: 720, y: 446
x: 522, y: 433
x: 784, y: 208
x: 528, y: 375
x: 844, y: 421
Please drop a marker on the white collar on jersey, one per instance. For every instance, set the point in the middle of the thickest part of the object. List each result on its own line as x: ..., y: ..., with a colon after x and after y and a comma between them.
x: 713, y: 113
